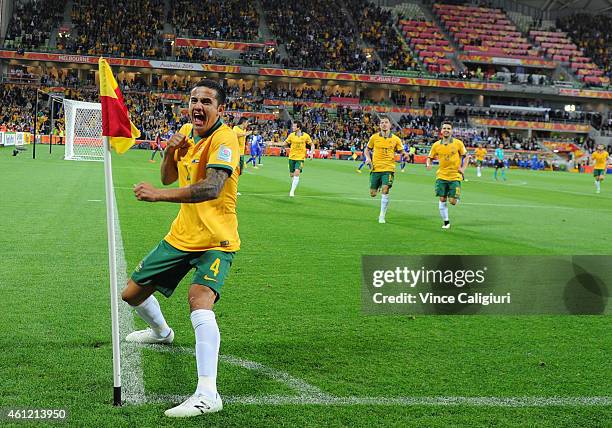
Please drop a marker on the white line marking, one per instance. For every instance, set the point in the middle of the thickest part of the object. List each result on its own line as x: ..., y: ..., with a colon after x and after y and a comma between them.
x: 131, y: 365
x: 433, y: 201
x: 94, y: 200
x: 298, y: 385
x: 280, y: 400
x: 311, y: 395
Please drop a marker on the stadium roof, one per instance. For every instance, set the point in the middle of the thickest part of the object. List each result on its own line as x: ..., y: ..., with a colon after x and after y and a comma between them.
x: 564, y: 7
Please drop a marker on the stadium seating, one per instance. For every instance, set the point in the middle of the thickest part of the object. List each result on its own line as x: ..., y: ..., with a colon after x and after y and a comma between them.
x: 407, y: 11
x: 340, y: 129
x: 210, y: 19
x: 560, y: 48
x: 317, y: 35
x: 131, y: 29
x: 31, y: 29
x: 428, y: 41
x: 376, y: 28
x: 591, y: 34
x: 485, y: 32
x: 551, y: 116
x: 17, y: 107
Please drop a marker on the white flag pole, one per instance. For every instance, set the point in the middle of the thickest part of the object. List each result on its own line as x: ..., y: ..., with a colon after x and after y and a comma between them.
x: 110, y: 225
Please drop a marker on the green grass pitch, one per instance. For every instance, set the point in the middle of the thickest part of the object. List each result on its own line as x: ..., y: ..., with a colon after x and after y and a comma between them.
x: 292, y: 302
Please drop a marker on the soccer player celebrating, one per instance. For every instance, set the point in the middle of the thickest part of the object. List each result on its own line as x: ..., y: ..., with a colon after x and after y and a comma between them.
x: 480, y: 154
x: 204, y: 157
x: 384, y: 144
x: 600, y: 160
x: 297, y: 141
x: 241, y: 131
x: 453, y: 160
x: 499, y: 161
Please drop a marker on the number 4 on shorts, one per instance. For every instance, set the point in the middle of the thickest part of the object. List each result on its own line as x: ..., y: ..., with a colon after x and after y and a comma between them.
x: 214, y: 268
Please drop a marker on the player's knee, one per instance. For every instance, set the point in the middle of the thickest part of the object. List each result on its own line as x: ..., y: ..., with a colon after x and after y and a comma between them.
x: 453, y: 201
x: 133, y: 294
x: 201, y: 297
x: 373, y: 193
x: 442, y: 199
x: 129, y: 297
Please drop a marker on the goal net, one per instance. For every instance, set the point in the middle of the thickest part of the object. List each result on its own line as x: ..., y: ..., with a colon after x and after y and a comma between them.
x: 83, y: 123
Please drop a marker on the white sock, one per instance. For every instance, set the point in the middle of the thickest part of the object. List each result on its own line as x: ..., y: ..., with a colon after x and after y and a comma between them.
x: 207, y: 344
x: 478, y: 171
x: 151, y: 313
x: 294, y: 183
x: 384, y: 203
x: 597, y: 184
x: 443, y: 210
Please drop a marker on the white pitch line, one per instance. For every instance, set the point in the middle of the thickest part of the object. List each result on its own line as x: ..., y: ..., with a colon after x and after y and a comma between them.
x: 131, y: 365
x: 353, y: 198
x: 280, y: 400
x: 298, y: 385
x: 311, y: 395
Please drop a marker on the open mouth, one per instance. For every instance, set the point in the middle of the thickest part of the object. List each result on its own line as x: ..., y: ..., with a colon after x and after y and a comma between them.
x: 198, y: 119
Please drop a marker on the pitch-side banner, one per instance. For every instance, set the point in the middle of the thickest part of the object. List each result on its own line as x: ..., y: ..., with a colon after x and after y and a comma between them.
x: 371, y: 78
x: 487, y: 285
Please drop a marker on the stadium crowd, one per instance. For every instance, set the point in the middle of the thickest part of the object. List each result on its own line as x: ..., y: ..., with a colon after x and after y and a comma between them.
x: 210, y: 19
x: 100, y: 28
x: 317, y: 35
x: 535, y: 116
x: 17, y: 107
x: 376, y: 29
x: 591, y: 33
x: 31, y: 29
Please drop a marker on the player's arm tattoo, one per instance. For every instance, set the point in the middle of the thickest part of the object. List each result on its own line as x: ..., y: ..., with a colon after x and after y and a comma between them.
x: 210, y: 187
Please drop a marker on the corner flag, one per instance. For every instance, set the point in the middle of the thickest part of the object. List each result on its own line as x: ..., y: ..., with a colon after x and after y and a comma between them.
x: 119, y: 133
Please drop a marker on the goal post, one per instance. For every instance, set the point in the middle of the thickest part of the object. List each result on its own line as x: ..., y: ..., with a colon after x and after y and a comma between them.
x: 83, y: 129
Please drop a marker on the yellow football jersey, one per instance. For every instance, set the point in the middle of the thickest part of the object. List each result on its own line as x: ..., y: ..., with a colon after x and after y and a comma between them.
x: 241, y: 134
x: 480, y: 153
x: 298, y: 145
x: 384, y: 148
x: 209, y: 225
x: 449, y: 156
x: 600, y: 159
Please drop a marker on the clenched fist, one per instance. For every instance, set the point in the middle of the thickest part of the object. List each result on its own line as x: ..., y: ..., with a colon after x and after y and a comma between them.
x: 177, y: 142
x: 146, y: 192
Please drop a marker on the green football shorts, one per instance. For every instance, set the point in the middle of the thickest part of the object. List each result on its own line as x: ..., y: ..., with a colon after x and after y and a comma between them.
x: 451, y: 189
x: 379, y: 179
x: 295, y: 164
x: 166, y: 266
x: 599, y: 172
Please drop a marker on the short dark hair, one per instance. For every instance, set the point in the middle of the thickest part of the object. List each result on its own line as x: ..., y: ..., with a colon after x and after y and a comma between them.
x: 384, y: 117
x: 213, y: 84
x: 242, y: 120
x: 298, y: 124
x: 446, y: 122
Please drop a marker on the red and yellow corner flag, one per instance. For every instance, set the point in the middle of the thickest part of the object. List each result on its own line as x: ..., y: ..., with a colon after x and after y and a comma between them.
x: 116, y: 123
